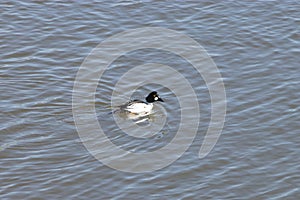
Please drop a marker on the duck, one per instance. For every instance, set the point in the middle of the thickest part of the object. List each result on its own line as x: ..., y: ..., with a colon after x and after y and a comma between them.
x: 142, y: 107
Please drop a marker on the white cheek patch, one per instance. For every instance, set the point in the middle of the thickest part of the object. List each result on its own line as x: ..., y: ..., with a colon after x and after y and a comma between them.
x: 155, y: 98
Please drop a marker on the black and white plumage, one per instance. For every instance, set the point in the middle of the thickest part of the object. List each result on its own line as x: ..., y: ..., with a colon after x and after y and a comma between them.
x: 142, y: 107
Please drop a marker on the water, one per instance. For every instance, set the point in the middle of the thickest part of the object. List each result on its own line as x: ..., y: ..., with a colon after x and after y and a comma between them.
x: 254, y: 44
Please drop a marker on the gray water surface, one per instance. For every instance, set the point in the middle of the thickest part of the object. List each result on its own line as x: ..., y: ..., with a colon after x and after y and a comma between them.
x: 255, y: 46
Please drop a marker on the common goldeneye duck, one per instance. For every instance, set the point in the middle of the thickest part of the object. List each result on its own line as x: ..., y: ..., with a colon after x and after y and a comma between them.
x: 141, y: 107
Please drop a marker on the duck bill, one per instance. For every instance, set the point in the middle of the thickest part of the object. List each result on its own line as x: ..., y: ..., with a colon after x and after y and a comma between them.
x: 159, y: 99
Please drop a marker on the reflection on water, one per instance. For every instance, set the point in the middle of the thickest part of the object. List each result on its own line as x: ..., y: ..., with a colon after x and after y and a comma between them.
x: 254, y: 44
x: 133, y: 122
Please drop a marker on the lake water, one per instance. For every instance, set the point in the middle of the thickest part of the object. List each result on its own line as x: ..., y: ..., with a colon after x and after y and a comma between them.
x: 255, y: 46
